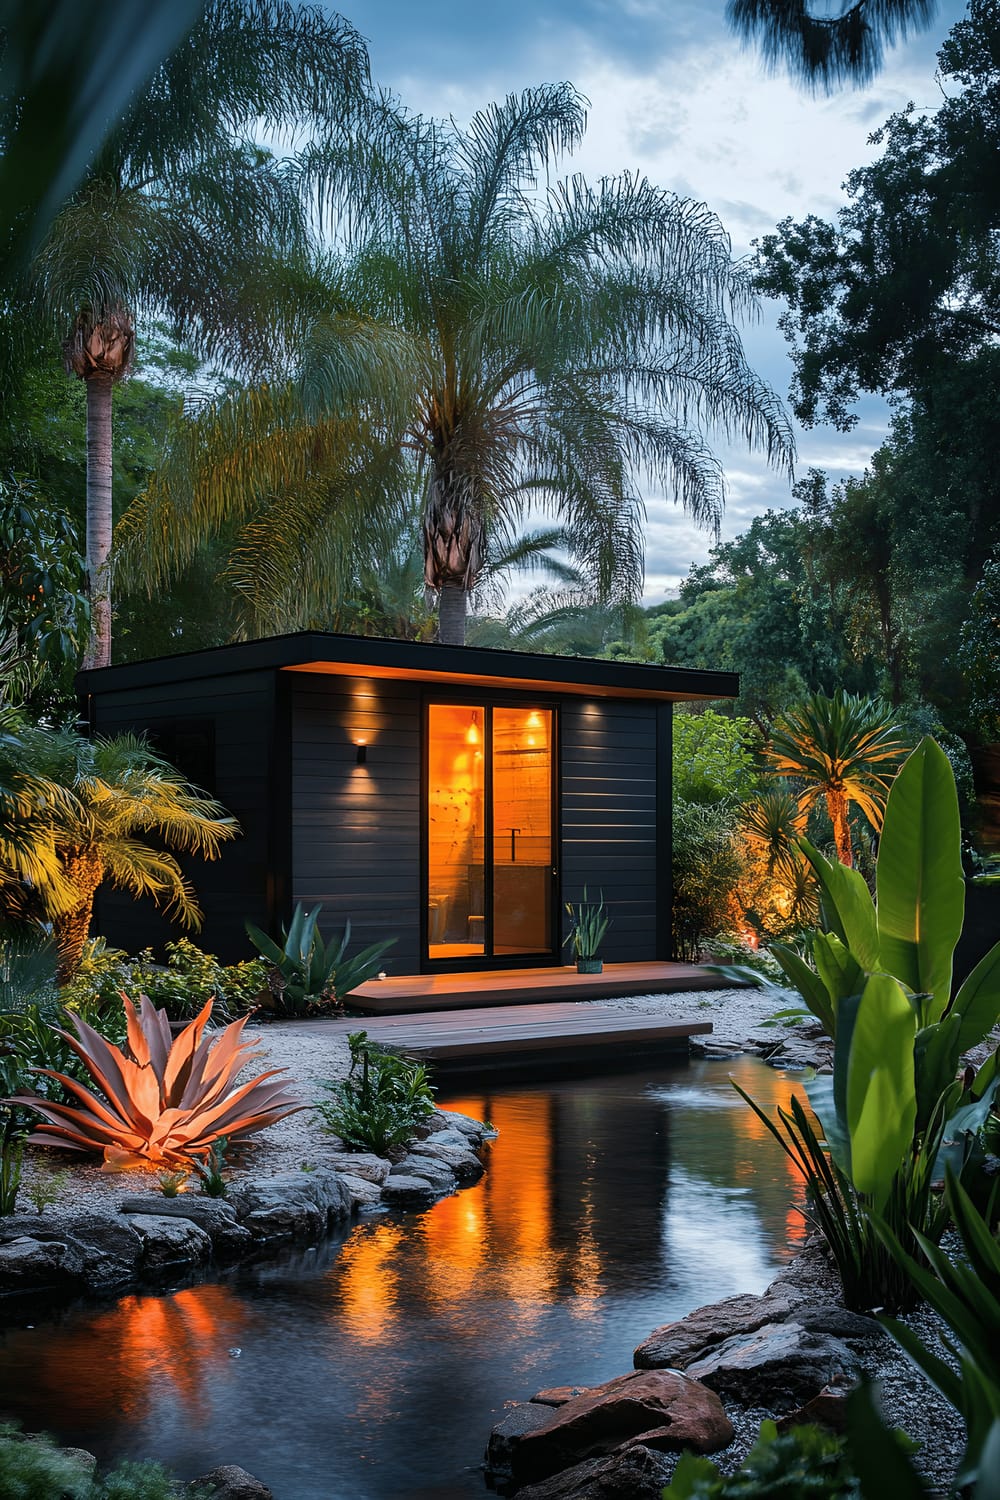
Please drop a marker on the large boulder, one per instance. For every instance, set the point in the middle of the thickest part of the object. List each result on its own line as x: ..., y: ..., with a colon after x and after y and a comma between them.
x: 664, y: 1409
x: 674, y: 1346
x: 633, y: 1472
x: 230, y: 1482
x: 464, y: 1163
x: 436, y: 1172
x: 171, y: 1242
x: 364, y: 1194
x: 779, y: 1366
x: 215, y: 1216
x: 408, y: 1192
x: 293, y: 1205
x: 81, y: 1249
x: 359, y: 1164
x: 517, y: 1421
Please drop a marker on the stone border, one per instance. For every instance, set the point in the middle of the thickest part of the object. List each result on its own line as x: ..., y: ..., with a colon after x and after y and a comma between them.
x: 152, y: 1237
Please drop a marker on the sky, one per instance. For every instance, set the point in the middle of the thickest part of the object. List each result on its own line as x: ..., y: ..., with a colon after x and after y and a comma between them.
x: 675, y: 96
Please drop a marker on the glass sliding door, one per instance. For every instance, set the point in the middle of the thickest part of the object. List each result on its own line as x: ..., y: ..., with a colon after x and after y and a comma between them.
x: 522, y: 830
x: 490, y: 841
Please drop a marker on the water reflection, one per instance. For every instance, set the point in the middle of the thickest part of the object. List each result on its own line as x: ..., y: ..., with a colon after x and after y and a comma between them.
x: 375, y: 1367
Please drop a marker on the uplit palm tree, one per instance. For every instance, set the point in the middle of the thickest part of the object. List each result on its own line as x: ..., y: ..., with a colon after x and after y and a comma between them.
x: 567, y: 344
x: 175, y: 205
x: 846, y: 749
x: 551, y: 351
x: 845, y: 45
x: 116, y: 805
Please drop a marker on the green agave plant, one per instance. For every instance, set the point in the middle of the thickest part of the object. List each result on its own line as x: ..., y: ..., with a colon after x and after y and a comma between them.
x: 311, y: 970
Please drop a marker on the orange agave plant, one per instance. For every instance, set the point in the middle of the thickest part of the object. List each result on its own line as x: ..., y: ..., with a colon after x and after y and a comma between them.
x: 164, y: 1101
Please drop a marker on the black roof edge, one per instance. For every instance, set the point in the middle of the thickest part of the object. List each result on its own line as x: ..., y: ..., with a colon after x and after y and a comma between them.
x: 304, y: 647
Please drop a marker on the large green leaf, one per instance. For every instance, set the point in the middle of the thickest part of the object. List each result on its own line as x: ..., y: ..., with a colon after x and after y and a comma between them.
x: 935, y: 1061
x: 881, y: 1095
x: 846, y: 893
x: 838, y: 968
x: 978, y: 1001
x: 809, y: 985
x: 920, y: 889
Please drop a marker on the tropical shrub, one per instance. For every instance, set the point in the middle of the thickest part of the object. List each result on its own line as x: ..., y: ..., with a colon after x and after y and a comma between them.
x: 707, y: 864
x: 893, y: 1109
x: 180, y: 986
x: 308, y: 973
x: 381, y: 1102
x: 713, y: 756
x: 803, y: 1462
x: 167, y: 1101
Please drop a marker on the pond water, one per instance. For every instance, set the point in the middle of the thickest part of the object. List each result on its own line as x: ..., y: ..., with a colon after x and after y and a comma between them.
x: 375, y: 1365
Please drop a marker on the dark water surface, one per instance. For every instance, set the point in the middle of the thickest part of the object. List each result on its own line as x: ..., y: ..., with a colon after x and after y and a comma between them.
x: 375, y: 1366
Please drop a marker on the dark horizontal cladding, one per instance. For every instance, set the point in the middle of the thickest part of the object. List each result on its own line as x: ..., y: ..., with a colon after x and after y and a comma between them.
x: 466, y: 662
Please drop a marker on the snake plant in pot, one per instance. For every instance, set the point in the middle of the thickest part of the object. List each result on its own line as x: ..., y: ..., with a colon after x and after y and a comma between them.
x: 589, y: 922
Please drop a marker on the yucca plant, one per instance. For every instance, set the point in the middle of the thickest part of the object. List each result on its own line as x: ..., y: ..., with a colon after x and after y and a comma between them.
x: 163, y: 1102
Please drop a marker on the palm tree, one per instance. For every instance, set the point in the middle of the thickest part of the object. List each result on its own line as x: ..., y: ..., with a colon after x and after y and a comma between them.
x: 175, y: 205
x: 111, y: 797
x: 551, y: 350
x: 846, y: 749
x: 824, y: 50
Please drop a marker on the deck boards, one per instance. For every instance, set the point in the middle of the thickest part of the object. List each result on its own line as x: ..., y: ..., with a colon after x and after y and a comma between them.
x: 426, y: 992
x: 474, y: 1038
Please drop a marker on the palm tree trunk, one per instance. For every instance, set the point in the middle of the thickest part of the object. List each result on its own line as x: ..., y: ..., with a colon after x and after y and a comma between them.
x: 453, y: 604
x: 85, y: 870
x: 99, y: 516
x: 836, y: 804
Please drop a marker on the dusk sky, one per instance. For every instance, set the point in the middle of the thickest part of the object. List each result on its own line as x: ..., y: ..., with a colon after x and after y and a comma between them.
x: 673, y: 95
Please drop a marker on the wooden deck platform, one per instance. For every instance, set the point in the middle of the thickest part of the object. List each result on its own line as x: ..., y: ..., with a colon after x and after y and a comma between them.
x: 419, y: 992
x: 526, y: 1036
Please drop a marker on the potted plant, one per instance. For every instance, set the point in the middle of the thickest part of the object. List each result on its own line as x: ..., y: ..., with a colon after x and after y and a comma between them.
x: 588, y: 924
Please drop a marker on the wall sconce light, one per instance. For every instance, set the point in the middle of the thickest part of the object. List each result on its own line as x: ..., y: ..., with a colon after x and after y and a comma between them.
x: 472, y: 733
x: 361, y: 748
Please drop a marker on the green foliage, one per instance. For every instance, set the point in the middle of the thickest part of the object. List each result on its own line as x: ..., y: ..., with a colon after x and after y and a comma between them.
x: 44, y: 611
x: 707, y: 864
x: 821, y: 47
x: 190, y: 975
x: 172, y: 1183
x: 33, y: 1468
x: 881, y: 984
x: 713, y: 756
x: 383, y: 1100
x: 211, y: 1170
x: 979, y: 653
x: 45, y: 1188
x: 804, y: 1461
x: 11, y: 1159
x: 309, y: 973
x: 589, y: 923
x: 966, y: 1293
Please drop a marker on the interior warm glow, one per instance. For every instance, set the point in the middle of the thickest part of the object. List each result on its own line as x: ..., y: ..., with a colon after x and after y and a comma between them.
x: 516, y: 744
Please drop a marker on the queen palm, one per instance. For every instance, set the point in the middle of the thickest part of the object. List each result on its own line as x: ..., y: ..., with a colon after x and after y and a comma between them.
x: 175, y: 204
x: 846, y: 750
x: 116, y: 813
x: 552, y: 350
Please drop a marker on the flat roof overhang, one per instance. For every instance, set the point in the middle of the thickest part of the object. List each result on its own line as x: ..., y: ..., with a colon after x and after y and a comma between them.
x: 417, y: 661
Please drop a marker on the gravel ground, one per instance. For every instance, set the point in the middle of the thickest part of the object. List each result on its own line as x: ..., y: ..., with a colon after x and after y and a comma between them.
x: 313, y: 1053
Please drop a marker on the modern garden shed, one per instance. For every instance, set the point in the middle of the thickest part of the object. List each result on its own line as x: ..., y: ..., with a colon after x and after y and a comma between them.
x: 450, y: 797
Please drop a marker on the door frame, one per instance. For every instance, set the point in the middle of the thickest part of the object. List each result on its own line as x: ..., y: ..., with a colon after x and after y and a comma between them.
x: 487, y: 699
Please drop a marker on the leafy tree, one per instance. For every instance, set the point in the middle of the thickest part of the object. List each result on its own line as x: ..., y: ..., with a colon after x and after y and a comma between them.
x: 904, y: 284
x: 845, y: 749
x: 824, y: 49
x: 174, y: 207
x: 44, y: 612
x: 713, y: 756
x: 979, y: 654
x: 112, y: 797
